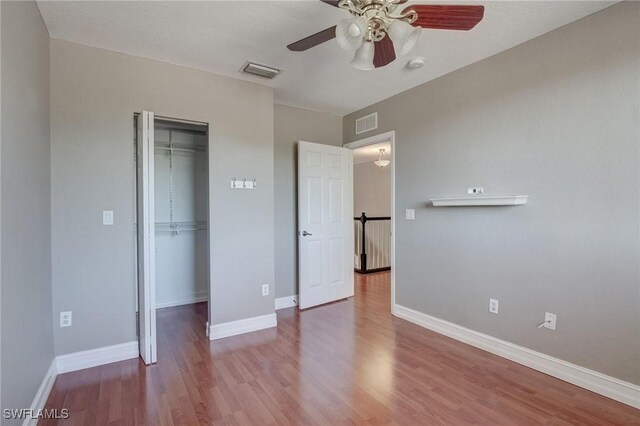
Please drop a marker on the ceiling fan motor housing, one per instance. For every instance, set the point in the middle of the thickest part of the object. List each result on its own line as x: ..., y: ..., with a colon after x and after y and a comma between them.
x: 378, y: 15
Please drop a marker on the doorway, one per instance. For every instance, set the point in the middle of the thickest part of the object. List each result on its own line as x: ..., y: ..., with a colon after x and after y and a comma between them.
x: 172, y: 182
x: 373, y: 257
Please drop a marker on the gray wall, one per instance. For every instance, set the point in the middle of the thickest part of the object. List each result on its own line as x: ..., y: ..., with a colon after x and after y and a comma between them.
x: 555, y: 118
x: 290, y: 126
x: 94, y: 94
x: 371, y: 190
x: 27, y: 335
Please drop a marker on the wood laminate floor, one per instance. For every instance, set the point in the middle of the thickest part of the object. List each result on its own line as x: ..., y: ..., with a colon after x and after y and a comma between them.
x: 349, y: 362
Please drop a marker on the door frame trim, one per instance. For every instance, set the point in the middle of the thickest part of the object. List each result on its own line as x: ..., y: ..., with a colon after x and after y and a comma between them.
x: 372, y: 140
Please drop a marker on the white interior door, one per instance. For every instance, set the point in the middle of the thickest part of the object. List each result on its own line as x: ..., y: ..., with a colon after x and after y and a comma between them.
x: 325, y: 223
x: 146, y: 239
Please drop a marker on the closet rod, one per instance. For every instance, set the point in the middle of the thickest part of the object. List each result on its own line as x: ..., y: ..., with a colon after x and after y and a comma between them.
x: 179, y: 149
x: 177, y: 129
x: 169, y: 224
x: 178, y: 230
x: 177, y: 227
x: 170, y: 144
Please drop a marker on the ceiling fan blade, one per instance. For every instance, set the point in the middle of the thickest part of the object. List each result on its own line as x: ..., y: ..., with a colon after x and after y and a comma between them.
x: 447, y: 17
x: 384, y: 53
x: 313, y: 40
x: 331, y: 2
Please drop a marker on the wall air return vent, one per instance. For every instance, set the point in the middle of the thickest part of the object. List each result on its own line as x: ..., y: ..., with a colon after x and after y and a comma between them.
x: 260, y: 70
x: 367, y: 123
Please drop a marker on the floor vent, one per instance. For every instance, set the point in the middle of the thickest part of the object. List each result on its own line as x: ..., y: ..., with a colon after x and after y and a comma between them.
x: 367, y: 123
x: 260, y: 70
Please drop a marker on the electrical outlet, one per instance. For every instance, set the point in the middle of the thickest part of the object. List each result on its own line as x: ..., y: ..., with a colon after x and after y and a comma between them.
x: 410, y: 214
x: 550, y: 320
x: 265, y: 289
x: 65, y: 319
x: 493, y: 306
x: 475, y: 191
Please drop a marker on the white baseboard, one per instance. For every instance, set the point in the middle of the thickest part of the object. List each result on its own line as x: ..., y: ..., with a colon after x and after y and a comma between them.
x: 233, y: 328
x: 200, y: 297
x: 78, y: 361
x: 287, y: 302
x: 94, y: 357
x: 43, y: 393
x: 602, y: 384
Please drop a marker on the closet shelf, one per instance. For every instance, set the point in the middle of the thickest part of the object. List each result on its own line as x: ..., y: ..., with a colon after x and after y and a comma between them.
x: 498, y: 200
x: 168, y: 146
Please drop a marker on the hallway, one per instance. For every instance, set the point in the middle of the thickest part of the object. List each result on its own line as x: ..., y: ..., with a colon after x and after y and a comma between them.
x: 349, y: 362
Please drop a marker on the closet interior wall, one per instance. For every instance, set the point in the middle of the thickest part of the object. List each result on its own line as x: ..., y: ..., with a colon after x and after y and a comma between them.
x: 181, y: 213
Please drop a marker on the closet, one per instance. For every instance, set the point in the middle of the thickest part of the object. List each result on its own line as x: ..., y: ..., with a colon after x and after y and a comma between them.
x: 181, y: 213
x: 172, y: 213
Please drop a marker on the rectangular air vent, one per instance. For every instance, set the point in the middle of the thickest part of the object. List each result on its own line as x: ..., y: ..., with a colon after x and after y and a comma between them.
x: 367, y: 123
x: 260, y: 70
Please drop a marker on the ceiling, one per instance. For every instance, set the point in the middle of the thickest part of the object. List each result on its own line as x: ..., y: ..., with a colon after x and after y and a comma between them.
x: 369, y: 153
x: 219, y: 36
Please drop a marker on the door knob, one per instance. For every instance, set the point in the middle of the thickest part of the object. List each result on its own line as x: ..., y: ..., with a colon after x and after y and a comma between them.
x: 305, y: 233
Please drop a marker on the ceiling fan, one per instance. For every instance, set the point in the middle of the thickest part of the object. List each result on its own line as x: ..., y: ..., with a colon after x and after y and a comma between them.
x: 376, y: 30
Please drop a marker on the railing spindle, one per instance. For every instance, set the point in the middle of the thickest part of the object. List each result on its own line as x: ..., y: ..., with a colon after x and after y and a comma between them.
x: 373, y: 253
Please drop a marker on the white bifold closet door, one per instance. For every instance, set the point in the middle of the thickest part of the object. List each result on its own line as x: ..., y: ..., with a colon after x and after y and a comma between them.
x: 146, y: 239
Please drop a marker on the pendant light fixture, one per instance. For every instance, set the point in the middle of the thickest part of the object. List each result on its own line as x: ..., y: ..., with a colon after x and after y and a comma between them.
x: 381, y: 162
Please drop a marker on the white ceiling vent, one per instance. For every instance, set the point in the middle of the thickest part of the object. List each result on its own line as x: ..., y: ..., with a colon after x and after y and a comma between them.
x: 260, y: 70
x: 367, y: 123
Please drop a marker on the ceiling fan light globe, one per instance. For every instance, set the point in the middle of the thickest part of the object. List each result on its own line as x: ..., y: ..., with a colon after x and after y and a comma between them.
x: 363, y: 59
x: 411, y: 41
x: 404, y: 36
x: 349, y: 33
x: 354, y: 30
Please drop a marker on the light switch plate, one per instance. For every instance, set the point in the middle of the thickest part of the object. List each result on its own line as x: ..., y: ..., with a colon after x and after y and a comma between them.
x: 410, y: 214
x: 107, y: 217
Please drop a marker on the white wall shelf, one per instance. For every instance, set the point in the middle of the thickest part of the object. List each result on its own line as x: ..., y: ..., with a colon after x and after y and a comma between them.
x: 499, y: 200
